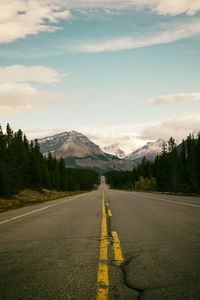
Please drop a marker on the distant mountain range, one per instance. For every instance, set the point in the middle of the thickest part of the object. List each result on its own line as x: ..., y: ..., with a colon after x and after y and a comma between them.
x: 149, y: 150
x: 79, y: 152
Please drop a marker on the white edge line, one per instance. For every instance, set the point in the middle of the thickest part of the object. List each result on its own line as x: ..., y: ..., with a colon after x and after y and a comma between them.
x: 34, y: 211
x: 171, y: 201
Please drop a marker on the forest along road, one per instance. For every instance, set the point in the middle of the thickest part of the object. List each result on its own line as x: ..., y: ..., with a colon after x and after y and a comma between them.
x: 105, y: 244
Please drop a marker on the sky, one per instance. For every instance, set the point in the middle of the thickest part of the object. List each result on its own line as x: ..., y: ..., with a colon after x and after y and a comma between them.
x: 123, y: 72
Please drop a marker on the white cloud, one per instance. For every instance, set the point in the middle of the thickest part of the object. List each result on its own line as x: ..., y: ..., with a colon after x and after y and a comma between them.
x: 175, y: 7
x: 126, y: 136
x: 162, y: 7
x: 16, y: 98
x: 18, y: 95
x: 179, y: 32
x: 131, y: 137
x: 20, y: 18
x: 177, y: 127
x: 111, y: 4
x: 168, y: 99
x: 20, y: 73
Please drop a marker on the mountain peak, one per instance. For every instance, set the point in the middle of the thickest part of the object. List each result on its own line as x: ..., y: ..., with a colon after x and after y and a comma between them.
x: 149, y: 150
x: 69, y: 143
x: 79, y: 152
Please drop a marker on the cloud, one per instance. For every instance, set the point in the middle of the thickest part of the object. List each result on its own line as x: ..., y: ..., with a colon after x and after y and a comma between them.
x: 20, y: 18
x: 168, y: 99
x: 161, y: 7
x: 178, y: 128
x: 17, y: 94
x: 179, y: 32
x: 130, y: 137
x: 176, y: 7
x: 125, y: 136
x: 20, y: 73
x: 16, y: 98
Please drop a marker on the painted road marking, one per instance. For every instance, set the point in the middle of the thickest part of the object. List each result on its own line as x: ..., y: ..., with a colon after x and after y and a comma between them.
x: 118, y: 258
x: 109, y: 213
x: 102, y: 277
x: 171, y: 201
x: 40, y: 209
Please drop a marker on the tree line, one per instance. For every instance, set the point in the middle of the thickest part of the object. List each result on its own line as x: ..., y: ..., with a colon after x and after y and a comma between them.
x: 176, y: 169
x: 22, y: 165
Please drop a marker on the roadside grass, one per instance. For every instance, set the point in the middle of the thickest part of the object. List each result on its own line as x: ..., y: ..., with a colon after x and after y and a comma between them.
x: 31, y: 197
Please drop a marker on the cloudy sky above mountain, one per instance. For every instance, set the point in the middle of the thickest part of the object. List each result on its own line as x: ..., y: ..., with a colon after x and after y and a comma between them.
x: 119, y: 71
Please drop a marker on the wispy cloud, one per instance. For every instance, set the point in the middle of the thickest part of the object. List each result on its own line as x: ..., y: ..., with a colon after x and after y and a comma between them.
x: 20, y: 18
x: 169, y: 99
x: 161, y: 7
x: 179, y: 32
x: 21, y: 73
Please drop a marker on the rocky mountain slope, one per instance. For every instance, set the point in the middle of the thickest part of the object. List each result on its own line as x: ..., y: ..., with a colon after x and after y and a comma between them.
x: 149, y: 150
x: 67, y: 144
x: 79, y: 152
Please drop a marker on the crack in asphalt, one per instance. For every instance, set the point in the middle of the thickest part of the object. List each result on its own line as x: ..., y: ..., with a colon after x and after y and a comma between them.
x: 125, y: 263
x: 122, y: 267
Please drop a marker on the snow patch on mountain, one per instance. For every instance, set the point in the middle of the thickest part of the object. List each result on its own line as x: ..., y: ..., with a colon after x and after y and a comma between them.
x: 70, y: 143
x: 114, y: 149
x: 149, y: 150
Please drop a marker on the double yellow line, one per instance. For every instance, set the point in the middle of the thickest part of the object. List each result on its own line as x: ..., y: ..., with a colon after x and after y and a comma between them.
x: 102, y: 277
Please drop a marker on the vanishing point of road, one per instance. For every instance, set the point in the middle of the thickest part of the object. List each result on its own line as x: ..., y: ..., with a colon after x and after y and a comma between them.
x: 106, y: 244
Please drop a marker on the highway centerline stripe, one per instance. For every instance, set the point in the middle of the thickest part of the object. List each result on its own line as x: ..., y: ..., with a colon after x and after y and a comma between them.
x: 171, y: 201
x: 109, y: 213
x: 40, y: 209
x: 118, y: 258
x: 102, y: 277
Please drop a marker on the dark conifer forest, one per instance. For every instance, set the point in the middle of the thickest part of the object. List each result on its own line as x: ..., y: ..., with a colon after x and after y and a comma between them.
x: 22, y: 165
x: 176, y: 169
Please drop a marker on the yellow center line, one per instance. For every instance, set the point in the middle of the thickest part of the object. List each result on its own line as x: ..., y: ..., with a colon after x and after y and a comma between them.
x: 118, y: 258
x: 109, y: 213
x: 102, y: 277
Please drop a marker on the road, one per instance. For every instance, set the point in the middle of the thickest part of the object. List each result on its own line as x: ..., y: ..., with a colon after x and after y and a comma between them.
x: 105, y: 244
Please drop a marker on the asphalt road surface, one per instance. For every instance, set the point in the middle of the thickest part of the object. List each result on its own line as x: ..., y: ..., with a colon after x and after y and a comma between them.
x: 52, y: 250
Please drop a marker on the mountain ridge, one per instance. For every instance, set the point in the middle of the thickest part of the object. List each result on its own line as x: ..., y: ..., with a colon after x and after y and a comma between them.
x: 149, y: 150
x: 79, y: 152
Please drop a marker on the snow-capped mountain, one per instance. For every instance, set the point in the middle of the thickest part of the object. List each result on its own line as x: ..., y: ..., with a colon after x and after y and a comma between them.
x: 149, y: 150
x: 79, y: 152
x: 70, y: 143
x: 114, y: 149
